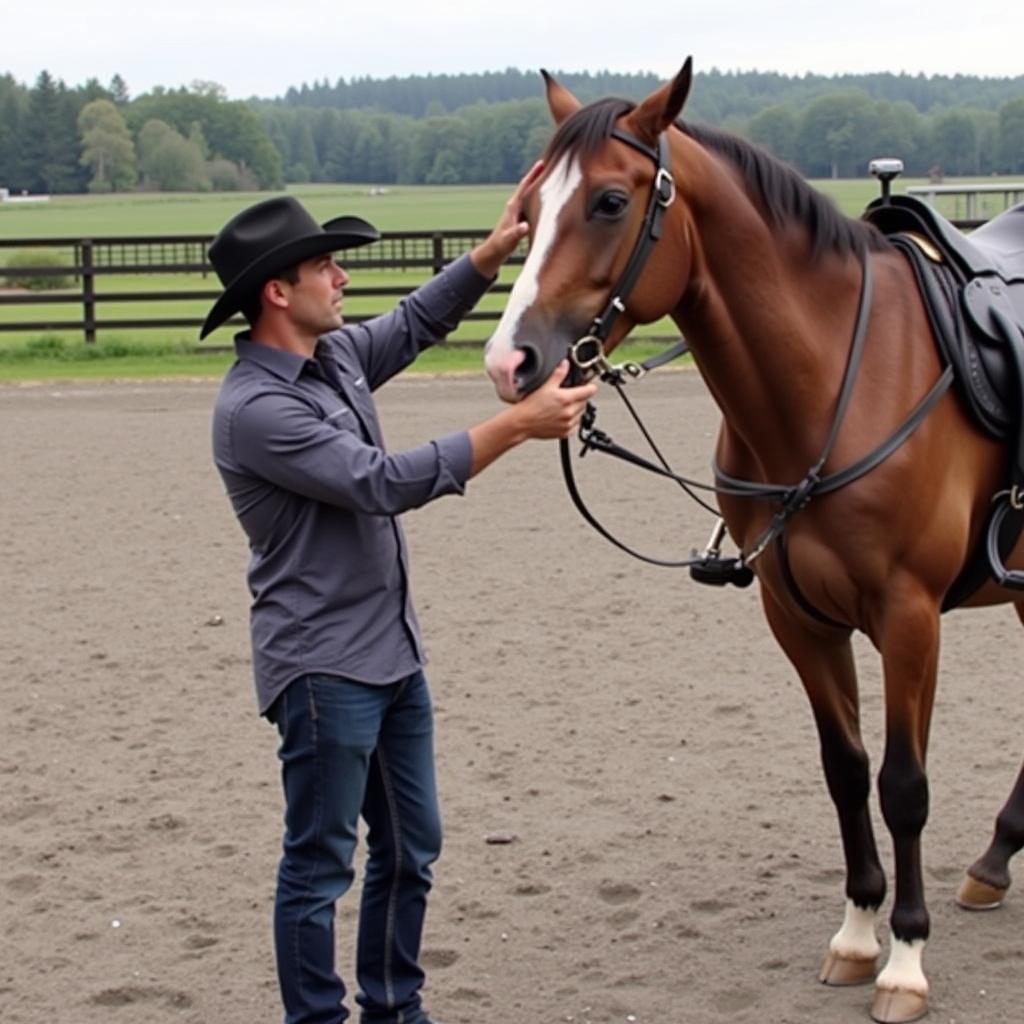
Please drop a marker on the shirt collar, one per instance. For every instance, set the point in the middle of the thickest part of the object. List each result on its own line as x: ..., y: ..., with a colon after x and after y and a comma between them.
x: 286, y: 365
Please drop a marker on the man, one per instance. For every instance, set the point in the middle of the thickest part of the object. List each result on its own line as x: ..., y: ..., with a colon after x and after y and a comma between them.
x: 337, y: 653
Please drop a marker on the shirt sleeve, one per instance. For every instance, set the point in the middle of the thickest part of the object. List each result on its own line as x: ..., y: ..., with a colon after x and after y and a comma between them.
x: 387, y: 344
x: 284, y: 441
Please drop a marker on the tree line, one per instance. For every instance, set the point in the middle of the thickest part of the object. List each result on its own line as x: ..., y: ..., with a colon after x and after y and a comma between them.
x: 95, y: 138
x: 480, y: 128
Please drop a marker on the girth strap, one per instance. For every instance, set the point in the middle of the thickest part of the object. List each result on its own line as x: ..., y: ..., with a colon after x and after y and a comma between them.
x: 782, y: 556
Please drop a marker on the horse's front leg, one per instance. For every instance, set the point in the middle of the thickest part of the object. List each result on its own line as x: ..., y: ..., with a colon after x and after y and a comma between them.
x: 907, y: 635
x: 824, y: 662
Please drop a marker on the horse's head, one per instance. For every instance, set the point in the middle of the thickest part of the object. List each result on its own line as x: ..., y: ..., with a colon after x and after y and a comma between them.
x: 588, y: 214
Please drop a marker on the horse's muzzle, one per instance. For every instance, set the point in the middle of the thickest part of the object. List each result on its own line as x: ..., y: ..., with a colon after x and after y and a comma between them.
x: 529, y: 374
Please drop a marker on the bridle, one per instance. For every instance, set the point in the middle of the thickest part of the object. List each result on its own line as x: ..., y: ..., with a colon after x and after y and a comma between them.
x: 587, y: 354
x: 588, y: 358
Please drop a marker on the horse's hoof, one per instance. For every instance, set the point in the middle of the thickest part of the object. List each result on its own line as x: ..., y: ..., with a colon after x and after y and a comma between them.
x: 893, y: 1007
x: 975, y: 895
x: 842, y: 970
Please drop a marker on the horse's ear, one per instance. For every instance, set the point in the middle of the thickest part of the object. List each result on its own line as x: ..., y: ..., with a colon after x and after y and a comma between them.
x: 661, y: 108
x: 560, y: 100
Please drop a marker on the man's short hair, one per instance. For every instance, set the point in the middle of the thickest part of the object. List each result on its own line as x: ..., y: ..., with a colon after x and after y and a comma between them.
x: 253, y: 306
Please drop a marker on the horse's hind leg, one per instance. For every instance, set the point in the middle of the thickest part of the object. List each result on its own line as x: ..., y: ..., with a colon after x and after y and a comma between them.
x: 826, y: 668
x: 988, y: 877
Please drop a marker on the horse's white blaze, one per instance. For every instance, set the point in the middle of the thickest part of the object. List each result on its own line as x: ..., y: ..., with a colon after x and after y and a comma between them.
x: 556, y: 191
x: 856, y: 940
x: 903, y: 972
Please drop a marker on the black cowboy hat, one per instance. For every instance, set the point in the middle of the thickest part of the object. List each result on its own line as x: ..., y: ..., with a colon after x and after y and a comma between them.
x: 268, y: 238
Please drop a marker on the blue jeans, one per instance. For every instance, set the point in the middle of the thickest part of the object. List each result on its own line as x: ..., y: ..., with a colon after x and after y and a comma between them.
x: 351, y: 749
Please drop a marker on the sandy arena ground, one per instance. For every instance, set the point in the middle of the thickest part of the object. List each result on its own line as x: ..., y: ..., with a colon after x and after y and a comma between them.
x: 676, y: 856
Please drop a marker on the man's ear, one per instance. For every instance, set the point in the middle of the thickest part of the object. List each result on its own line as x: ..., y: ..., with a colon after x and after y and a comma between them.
x: 274, y: 294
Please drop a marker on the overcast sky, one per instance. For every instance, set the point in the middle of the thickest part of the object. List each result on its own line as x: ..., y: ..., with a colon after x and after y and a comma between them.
x: 260, y: 48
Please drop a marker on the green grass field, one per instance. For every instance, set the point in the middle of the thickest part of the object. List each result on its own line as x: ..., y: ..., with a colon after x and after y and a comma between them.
x: 149, y: 352
x: 399, y: 208
x: 152, y: 213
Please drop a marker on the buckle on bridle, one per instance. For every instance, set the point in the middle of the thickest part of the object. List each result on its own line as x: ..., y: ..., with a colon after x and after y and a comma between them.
x: 665, y: 187
x: 587, y: 353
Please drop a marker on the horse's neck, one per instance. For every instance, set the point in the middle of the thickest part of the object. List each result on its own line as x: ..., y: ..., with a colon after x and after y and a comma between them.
x: 769, y: 328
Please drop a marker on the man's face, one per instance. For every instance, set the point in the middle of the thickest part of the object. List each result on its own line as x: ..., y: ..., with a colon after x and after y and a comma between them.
x: 314, y: 304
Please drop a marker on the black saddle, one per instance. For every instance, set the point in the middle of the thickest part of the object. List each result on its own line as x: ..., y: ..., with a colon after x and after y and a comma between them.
x: 973, y: 286
x: 973, y: 291
x: 997, y: 247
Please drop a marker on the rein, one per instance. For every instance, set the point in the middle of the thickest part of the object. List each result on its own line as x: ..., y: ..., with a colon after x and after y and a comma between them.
x: 587, y: 356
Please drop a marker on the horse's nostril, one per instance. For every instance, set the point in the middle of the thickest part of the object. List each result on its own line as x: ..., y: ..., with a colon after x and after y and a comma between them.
x: 527, y: 368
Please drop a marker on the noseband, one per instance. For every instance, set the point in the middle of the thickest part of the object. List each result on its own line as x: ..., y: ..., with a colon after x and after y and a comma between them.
x: 587, y: 354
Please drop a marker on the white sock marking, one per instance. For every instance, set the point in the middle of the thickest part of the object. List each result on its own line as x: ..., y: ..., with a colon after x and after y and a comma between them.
x: 903, y: 972
x: 856, y: 939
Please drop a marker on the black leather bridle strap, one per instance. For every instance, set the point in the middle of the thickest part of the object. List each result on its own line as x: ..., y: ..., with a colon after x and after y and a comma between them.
x: 581, y: 507
x: 662, y: 193
x: 798, y: 496
x: 680, y: 348
x: 792, y: 497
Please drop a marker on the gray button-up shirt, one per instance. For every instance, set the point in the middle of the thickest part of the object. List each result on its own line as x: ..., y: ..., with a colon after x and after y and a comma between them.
x: 299, y: 447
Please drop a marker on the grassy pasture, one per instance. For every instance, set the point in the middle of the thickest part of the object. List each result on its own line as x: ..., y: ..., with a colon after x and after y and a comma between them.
x: 399, y: 208
x: 168, y: 350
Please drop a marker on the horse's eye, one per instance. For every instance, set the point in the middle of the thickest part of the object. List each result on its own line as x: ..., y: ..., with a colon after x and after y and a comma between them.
x: 611, y: 205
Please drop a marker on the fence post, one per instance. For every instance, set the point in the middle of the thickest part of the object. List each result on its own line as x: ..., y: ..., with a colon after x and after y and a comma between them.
x: 88, y: 293
x: 438, y: 252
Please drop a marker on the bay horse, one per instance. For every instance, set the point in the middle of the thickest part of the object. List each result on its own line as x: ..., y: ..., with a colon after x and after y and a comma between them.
x: 766, y: 280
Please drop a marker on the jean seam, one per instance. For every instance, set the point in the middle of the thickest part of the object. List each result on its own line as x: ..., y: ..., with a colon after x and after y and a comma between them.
x: 390, y: 918
x: 317, y: 829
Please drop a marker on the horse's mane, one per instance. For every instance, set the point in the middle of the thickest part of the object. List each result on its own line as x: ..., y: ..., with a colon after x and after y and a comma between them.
x: 783, y: 193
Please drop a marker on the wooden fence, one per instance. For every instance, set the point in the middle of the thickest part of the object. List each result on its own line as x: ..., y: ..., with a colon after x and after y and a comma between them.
x: 86, y: 260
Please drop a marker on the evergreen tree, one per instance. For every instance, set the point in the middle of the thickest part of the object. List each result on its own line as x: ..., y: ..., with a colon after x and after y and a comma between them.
x: 49, y: 138
x: 955, y: 142
x: 118, y: 90
x: 303, y: 147
x: 13, y: 106
x: 1011, y: 136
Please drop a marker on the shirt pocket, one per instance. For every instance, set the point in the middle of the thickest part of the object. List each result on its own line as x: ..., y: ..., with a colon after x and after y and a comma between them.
x: 346, y: 419
x: 341, y: 417
x: 365, y: 409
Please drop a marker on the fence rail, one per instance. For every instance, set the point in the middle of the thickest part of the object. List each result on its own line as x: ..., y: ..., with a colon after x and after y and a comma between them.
x: 89, y: 260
